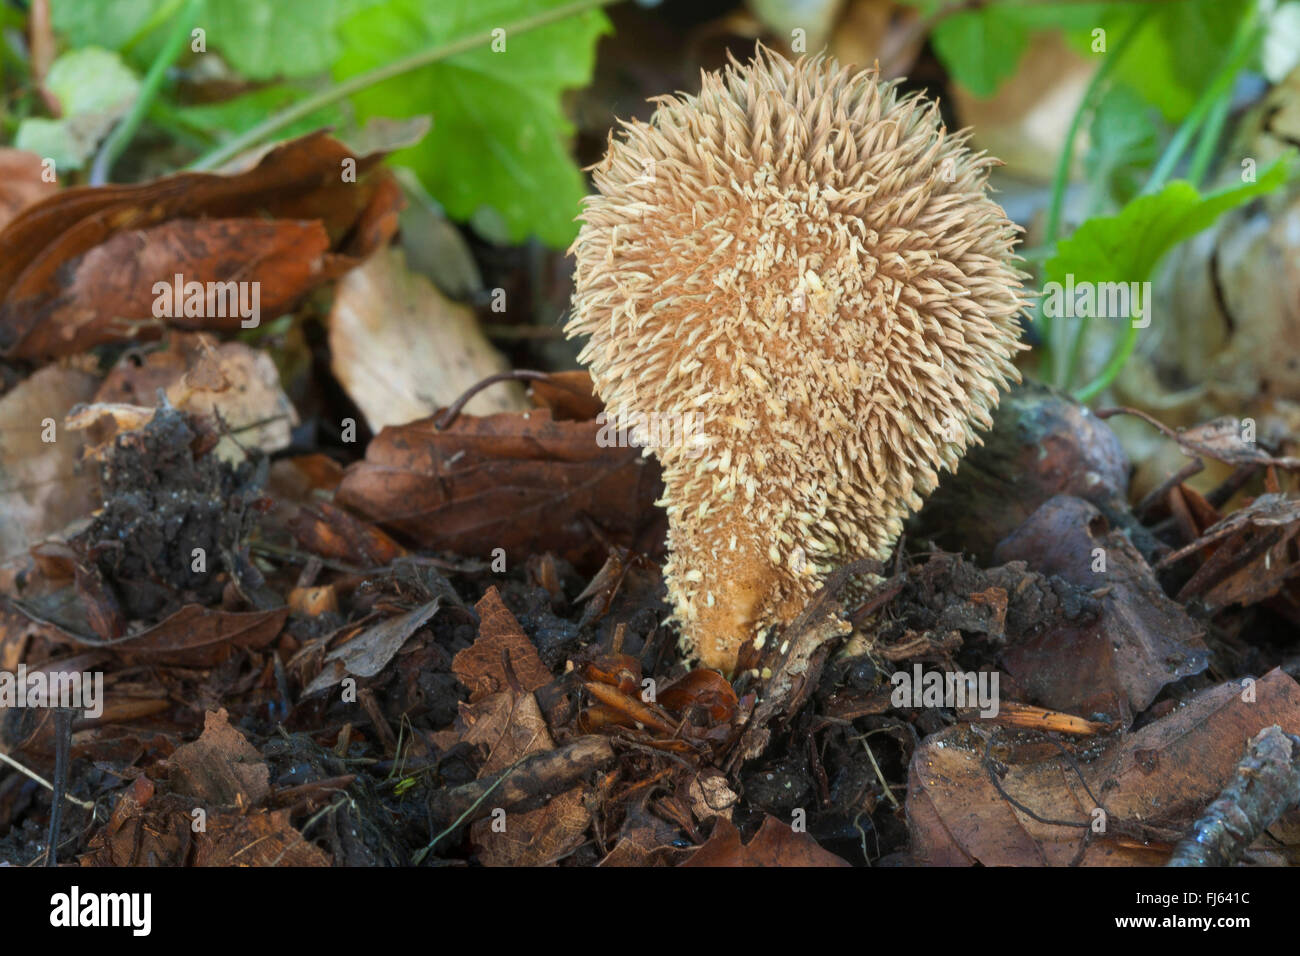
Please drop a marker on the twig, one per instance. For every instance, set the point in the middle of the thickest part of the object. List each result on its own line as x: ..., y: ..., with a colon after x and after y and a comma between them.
x: 33, y: 775
x: 514, y: 375
x: 1266, y: 785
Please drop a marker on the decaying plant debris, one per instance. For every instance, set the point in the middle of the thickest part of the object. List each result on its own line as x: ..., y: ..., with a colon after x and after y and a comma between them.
x: 478, y: 692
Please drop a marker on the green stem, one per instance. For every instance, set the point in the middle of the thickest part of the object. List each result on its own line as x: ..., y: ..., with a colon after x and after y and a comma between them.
x: 125, y: 131
x: 1243, y: 47
x: 1061, y: 178
x: 361, y: 81
x: 1220, y: 88
x: 1205, y: 146
x: 1108, y: 373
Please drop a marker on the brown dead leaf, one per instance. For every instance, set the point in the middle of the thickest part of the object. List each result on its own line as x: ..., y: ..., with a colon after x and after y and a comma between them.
x: 523, y: 482
x: 775, y: 844
x: 569, y: 395
x: 331, y: 532
x: 1250, y: 555
x: 262, y: 838
x: 1153, y: 784
x: 402, y: 350
x: 203, y: 376
x: 196, y: 636
x: 221, y: 768
x: 646, y: 840
x: 710, y: 795
x: 366, y: 654
x: 479, y: 667
x: 1221, y: 439
x: 110, y: 292
x: 145, y: 829
x: 78, y: 268
x: 1142, y: 640
x: 538, y: 837
x: 507, y: 726
x: 22, y: 182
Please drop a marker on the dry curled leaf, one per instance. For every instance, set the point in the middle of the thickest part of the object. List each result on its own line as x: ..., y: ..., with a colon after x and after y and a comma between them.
x: 1152, y: 784
x: 78, y: 268
x: 481, y: 667
x: 523, y: 482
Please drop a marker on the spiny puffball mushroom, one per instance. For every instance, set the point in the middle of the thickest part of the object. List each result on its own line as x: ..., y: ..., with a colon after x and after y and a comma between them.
x: 799, y: 275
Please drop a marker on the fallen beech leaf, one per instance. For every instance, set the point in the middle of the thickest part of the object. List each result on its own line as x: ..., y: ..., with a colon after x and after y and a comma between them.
x: 196, y: 636
x: 1159, y: 778
x: 775, y: 844
x: 538, y: 837
x: 41, y: 487
x: 402, y: 350
x: 78, y: 268
x: 110, y: 294
x: 479, y: 667
x: 522, y: 482
x: 569, y: 395
x: 507, y: 726
x: 221, y: 768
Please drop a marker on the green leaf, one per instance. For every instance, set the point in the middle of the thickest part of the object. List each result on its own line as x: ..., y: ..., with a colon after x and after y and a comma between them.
x: 94, y: 88
x: 260, y: 39
x: 1176, y: 52
x: 112, y: 24
x: 1122, y: 147
x: 1126, y: 247
x: 263, y: 39
x: 981, y: 48
x: 500, y: 137
x: 242, y: 112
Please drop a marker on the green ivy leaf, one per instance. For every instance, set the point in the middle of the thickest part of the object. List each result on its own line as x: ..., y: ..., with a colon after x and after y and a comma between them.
x: 500, y: 136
